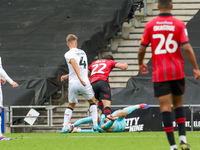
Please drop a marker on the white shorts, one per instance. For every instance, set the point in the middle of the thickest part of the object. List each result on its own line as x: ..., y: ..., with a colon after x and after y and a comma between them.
x: 75, y: 88
x: 1, y: 98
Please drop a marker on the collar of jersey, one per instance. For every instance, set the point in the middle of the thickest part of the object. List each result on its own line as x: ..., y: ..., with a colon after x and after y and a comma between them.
x: 165, y: 14
x: 73, y: 48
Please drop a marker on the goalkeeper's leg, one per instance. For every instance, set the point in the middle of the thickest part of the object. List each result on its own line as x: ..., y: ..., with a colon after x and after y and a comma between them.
x: 126, y: 111
x: 84, y: 120
x: 79, y: 130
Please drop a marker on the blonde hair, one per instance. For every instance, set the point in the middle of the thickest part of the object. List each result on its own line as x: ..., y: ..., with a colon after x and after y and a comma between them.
x: 71, y: 38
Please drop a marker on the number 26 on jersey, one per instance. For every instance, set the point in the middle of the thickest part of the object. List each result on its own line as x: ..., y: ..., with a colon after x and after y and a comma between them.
x: 167, y: 41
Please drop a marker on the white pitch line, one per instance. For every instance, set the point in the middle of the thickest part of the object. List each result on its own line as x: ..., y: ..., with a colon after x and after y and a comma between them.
x: 111, y: 136
x: 68, y: 136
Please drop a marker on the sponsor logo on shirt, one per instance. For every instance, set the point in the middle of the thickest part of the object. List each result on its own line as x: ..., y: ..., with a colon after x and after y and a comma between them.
x: 164, y: 22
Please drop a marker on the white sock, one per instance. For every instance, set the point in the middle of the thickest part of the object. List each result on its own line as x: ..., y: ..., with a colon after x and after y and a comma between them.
x: 182, y: 138
x: 172, y: 147
x: 0, y: 127
x: 67, y: 117
x: 93, y: 112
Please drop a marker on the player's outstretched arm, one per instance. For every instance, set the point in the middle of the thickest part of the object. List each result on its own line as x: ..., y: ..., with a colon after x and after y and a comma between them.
x: 142, y: 66
x: 122, y: 66
x: 64, y: 77
x: 7, y: 78
x: 76, y: 69
x: 14, y: 84
x: 191, y: 57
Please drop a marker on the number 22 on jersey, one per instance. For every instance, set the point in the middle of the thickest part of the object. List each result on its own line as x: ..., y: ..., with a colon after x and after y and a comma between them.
x: 167, y: 43
x: 98, y: 68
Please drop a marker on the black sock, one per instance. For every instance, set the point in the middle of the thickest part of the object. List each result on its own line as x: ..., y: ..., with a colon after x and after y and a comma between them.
x: 100, y: 106
x: 168, y: 127
x: 107, y: 111
x: 180, y: 120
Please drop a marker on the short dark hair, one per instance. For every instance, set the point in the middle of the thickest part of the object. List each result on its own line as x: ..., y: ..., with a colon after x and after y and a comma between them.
x: 109, y: 57
x: 165, y: 4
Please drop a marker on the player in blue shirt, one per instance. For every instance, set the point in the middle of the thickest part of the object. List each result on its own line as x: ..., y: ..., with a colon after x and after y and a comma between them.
x: 114, y: 122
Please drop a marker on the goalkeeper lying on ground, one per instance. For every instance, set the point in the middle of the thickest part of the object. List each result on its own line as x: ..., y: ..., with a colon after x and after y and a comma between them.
x: 113, y: 123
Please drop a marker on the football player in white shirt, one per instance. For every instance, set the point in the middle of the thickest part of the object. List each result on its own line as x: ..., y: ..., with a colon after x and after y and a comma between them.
x: 78, y: 82
x: 4, y: 78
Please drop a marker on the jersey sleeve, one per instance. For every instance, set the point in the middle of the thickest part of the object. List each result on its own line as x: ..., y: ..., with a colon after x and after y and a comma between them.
x: 113, y: 63
x: 69, y: 56
x: 184, y: 34
x: 146, y: 36
x: 5, y: 76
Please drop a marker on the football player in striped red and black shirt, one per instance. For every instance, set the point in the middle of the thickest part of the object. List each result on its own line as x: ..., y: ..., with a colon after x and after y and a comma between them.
x: 99, y: 72
x: 166, y: 34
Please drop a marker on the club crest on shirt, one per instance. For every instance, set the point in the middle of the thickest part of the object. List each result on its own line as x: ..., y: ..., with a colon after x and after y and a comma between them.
x: 142, y: 39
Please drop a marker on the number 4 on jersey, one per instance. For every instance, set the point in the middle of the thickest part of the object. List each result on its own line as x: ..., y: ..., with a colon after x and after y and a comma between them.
x: 82, y: 62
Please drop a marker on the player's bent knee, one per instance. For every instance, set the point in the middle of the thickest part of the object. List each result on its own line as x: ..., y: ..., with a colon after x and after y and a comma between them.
x: 103, y: 127
x: 106, y: 102
x: 163, y: 109
x: 91, y: 101
x: 72, y: 105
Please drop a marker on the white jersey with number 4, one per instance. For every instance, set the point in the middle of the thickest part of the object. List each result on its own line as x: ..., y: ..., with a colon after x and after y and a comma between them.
x: 81, y: 59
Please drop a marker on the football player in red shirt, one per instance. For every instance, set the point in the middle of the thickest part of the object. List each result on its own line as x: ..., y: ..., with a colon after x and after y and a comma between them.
x: 99, y: 72
x: 166, y: 33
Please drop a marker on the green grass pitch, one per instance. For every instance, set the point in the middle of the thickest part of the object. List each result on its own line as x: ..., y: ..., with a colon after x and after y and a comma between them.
x: 94, y: 141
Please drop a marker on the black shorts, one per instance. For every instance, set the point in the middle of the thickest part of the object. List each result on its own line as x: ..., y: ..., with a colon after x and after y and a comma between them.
x: 176, y: 87
x: 102, y: 90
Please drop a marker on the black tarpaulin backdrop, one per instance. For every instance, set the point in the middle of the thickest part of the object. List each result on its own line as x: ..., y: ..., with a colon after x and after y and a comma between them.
x: 140, y: 90
x: 33, y: 42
